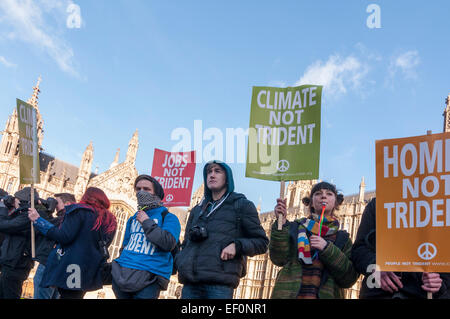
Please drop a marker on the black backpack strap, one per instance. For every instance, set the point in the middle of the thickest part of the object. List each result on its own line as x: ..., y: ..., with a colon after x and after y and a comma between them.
x: 238, y: 211
x: 163, y: 215
x: 102, y: 245
x: 177, y: 247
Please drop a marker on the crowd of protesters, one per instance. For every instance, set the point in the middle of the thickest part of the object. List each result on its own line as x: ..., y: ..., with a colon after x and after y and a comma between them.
x: 318, y: 260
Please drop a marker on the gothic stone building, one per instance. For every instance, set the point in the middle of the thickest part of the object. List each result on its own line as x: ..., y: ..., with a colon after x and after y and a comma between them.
x: 58, y: 176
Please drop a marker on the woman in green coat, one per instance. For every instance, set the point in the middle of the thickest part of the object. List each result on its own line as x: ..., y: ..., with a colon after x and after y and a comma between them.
x: 313, y: 266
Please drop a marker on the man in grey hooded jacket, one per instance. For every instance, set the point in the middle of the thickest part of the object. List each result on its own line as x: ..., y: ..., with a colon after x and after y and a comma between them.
x: 222, y: 230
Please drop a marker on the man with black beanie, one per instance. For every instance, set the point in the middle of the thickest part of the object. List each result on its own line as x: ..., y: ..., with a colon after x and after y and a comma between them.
x: 145, y: 263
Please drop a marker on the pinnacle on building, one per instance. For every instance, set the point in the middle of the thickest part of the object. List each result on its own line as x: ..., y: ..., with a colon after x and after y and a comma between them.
x: 84, y: 172
x: 447, y: 114
x: 33, y: 101
x: 116, y: 159
x: 132, y: 148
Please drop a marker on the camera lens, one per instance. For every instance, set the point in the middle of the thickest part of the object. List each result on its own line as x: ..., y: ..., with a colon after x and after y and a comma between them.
x: 198, y: 233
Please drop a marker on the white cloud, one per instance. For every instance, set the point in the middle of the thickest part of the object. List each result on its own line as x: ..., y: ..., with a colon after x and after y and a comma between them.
x: 368, y: 54
x: 406, y: 63
x: 26, y: 19
x: 7, y: 63
x: 337, y: 74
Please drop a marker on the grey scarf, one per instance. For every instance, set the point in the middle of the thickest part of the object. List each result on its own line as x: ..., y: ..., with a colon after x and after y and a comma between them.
x: 147, y: 201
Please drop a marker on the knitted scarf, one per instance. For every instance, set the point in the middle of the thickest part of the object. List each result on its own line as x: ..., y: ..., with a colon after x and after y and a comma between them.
x: 147, y: 201
x: 310, y: 225
x: 313, y: 267
x: 312, y: 277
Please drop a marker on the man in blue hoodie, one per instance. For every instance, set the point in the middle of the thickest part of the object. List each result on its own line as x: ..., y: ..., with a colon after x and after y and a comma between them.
x: 146, y: 262
x: 222, y: 230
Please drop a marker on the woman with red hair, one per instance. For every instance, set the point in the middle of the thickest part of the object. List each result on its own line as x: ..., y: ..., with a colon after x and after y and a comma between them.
x: 74, y: 265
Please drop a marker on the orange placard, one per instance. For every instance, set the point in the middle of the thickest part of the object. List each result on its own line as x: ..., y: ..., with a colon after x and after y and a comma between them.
x: 413, y: 203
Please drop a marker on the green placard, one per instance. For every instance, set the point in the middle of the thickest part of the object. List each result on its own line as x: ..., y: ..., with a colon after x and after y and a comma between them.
x: 28, y: 144
x: 284, y: 133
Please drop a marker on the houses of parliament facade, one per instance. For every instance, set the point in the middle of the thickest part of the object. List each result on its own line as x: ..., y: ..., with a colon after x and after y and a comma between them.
x: 58, y: 176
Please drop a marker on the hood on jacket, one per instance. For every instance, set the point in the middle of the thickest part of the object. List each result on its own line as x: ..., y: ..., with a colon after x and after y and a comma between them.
x: 228, y: 173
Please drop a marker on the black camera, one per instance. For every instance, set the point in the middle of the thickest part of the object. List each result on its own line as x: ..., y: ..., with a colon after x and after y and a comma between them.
x: 198, y: 233
x: 50, y: 204
x: 9, y: 200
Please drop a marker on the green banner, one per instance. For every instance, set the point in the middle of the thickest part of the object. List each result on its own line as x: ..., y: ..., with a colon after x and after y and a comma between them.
x: 28, y: 144
x: 284, y: 133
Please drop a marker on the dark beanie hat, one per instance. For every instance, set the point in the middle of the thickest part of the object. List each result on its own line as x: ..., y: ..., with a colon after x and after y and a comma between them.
x: 24, y: 195
x: 159, y: 191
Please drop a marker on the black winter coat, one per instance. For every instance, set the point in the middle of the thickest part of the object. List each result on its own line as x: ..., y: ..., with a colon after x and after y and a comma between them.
x: 200, y: 262
x: 15, y: 252
x: 364, y: 254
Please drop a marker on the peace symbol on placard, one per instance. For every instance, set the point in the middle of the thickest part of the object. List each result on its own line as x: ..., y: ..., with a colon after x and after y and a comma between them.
x: 427, y: 251
x: 282, y: 166
x: 169, y: 198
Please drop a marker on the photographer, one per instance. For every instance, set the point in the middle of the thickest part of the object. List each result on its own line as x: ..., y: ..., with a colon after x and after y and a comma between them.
x: 4, y: 209
x: 221, y: 232
x: 8, y: 204
x: 15, y: 255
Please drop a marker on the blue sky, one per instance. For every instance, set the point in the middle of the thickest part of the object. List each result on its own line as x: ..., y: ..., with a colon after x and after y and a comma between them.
x: 158, y: 65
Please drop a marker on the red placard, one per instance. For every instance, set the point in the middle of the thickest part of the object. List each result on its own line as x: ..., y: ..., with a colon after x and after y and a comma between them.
x: 175, y: 172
